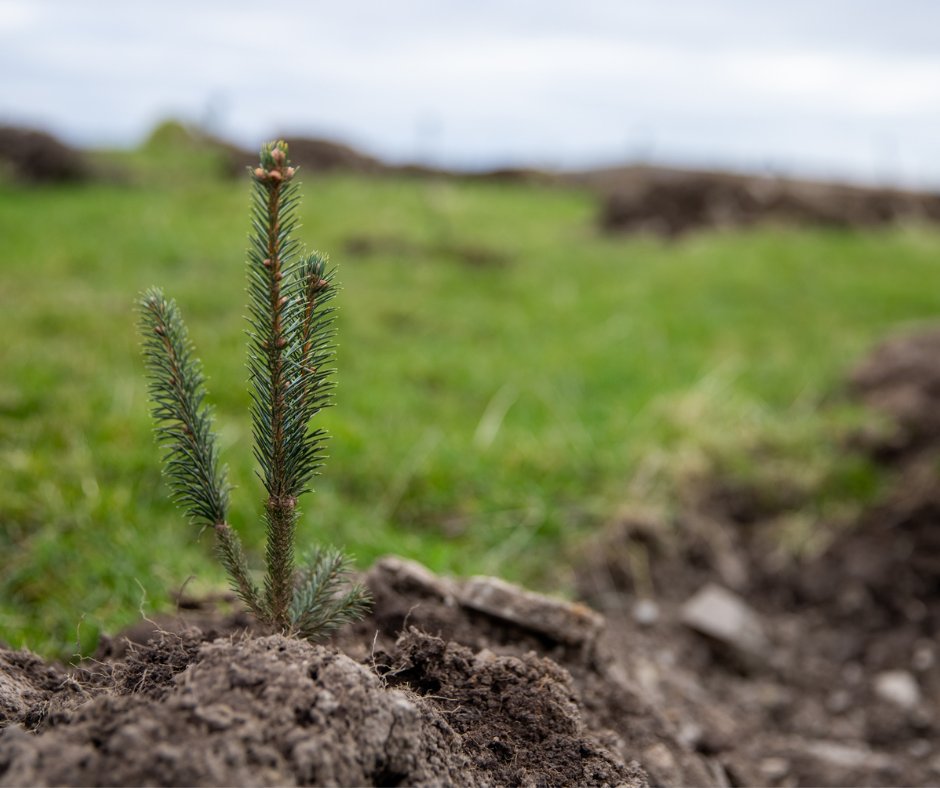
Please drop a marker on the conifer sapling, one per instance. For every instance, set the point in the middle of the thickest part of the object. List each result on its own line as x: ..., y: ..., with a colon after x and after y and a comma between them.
x: 290, y: 350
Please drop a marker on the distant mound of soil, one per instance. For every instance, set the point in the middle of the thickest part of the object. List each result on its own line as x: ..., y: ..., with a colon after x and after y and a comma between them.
x: 666, y: 201
x: 673, y: 202
x: 37, y: 157
x: 320, y: 155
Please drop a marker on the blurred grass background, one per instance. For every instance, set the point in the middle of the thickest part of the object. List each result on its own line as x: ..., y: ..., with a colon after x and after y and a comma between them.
x: 509, y: 379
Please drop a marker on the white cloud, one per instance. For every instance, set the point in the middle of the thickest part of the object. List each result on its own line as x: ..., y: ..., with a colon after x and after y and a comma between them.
x: 17, y: 15
x: 728, y: 81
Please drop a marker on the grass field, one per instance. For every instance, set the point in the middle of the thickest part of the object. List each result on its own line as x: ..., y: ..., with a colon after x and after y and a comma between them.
x: 488, y: 417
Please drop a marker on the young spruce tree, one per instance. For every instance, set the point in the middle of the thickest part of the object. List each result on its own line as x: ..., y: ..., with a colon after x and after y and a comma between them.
x: 290, y: 350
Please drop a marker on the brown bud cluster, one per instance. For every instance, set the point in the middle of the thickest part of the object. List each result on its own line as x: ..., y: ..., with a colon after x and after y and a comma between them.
x: 279, y: 173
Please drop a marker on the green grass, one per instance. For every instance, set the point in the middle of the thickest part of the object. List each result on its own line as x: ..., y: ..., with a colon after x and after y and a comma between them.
x: 488, y: 417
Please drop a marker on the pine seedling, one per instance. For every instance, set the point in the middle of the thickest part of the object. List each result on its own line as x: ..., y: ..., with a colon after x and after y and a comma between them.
x: 289, y: 355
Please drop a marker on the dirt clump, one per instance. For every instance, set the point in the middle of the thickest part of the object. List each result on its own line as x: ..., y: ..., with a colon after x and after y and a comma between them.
x: 518, y: 717
x: 487, y: 614
x: 900, y: 379
x: 673, y: 202
x: 27, y: 687
x: 249, y: 712
x: 34, y: 157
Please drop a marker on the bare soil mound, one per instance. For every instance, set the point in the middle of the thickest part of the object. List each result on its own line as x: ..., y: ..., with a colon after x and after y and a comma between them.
x: 37, y: 157
x: 819, y: 671
x: 320, y: 155
x: 901, y: 380
x: 665, y: 201
x: 673, y: 202
x: 486, y: 684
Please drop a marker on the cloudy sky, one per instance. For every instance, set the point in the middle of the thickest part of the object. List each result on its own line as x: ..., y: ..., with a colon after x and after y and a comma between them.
x: 847, y: 88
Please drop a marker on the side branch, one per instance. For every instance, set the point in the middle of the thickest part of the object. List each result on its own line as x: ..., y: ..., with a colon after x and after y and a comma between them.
x: 184, y: 429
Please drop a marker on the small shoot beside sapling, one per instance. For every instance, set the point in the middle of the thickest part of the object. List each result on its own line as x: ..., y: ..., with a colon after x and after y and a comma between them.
x: 289, y: 356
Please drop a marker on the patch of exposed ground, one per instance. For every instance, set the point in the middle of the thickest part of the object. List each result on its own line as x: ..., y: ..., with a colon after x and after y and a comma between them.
x: 32, y: 156
x: 672, y: 202
x: 821, y: 671
x: 472, y: 683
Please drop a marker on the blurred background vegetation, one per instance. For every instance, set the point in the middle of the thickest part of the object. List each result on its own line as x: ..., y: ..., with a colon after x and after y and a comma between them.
x: 511, y: 379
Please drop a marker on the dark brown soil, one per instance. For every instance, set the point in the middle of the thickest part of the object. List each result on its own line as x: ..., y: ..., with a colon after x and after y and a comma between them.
x: 500, y: 687
x: 673, y: 202
x: 847, y: 690
x: 457, y: 696
x: 901, y: 380
x: 320, y: 155
x: 32, y: 156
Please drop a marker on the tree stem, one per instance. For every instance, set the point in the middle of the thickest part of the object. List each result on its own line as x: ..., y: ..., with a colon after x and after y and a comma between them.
x: 281, y: 507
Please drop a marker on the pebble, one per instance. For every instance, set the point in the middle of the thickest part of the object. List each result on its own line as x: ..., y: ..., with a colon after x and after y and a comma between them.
x: 898, y: 687
x: 847, y: 756
x: 718, y: 613
x: 774, y: 768
x: 690, y: 734
x: 646, y: 612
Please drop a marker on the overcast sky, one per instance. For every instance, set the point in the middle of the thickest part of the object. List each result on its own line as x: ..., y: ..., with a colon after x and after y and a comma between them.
x: 829, y: 87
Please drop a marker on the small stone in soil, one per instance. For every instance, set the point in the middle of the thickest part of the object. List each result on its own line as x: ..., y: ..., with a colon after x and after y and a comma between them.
x: 646, y: 612
x: 716, y: 612
x: 847, y: 756
x: 898, y: 687
x: 774, y: 768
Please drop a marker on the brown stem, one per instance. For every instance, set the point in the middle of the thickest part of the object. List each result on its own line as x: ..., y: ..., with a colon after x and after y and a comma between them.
x: 280, y: 507
x: 233, y: 557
